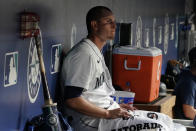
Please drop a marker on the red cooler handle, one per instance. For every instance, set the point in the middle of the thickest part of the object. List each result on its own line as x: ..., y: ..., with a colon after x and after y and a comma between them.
x: 135, y: 69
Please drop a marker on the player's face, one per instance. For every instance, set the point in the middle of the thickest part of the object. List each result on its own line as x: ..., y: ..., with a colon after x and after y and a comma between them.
x: 106, y: 28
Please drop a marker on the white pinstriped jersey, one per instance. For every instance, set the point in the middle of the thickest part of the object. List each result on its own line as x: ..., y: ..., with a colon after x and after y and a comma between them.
x: 84, y: 67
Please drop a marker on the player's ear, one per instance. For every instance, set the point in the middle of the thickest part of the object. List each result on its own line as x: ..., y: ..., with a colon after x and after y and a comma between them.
x: 94, y: 25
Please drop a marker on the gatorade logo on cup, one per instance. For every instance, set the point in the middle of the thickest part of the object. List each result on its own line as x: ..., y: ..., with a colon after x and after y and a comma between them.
x: 126, y: 100
x: 124, y: 97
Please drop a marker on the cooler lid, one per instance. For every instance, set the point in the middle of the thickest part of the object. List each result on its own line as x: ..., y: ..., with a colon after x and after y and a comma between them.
x: 128, y: 50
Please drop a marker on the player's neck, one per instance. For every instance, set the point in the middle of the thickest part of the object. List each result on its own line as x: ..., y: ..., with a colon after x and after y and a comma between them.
x: 97, y: 41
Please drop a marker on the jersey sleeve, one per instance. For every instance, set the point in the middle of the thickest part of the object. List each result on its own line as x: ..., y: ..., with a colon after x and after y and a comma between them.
x: 72, y: 92
x: 78, y: 71
x: 188, y: 94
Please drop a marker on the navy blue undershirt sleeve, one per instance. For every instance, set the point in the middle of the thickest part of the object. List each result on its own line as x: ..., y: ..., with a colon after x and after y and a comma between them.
x: 72, y: 92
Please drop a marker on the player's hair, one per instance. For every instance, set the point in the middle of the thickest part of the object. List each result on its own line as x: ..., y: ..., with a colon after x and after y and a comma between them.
x: 192, y: 57
x: 95, y: 14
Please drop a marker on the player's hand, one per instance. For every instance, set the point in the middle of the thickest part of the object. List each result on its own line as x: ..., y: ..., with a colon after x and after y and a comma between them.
x: 118, y: 113
x: 127, y: 107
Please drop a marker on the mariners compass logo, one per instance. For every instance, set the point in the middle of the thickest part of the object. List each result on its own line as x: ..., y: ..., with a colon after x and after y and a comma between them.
x: 33, y: 72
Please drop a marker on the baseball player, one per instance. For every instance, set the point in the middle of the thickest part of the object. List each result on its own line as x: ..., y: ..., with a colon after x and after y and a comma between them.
x: 87, y: 83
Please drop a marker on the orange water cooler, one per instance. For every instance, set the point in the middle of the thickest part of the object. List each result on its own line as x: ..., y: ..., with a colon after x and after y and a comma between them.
x: 137, y: 70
